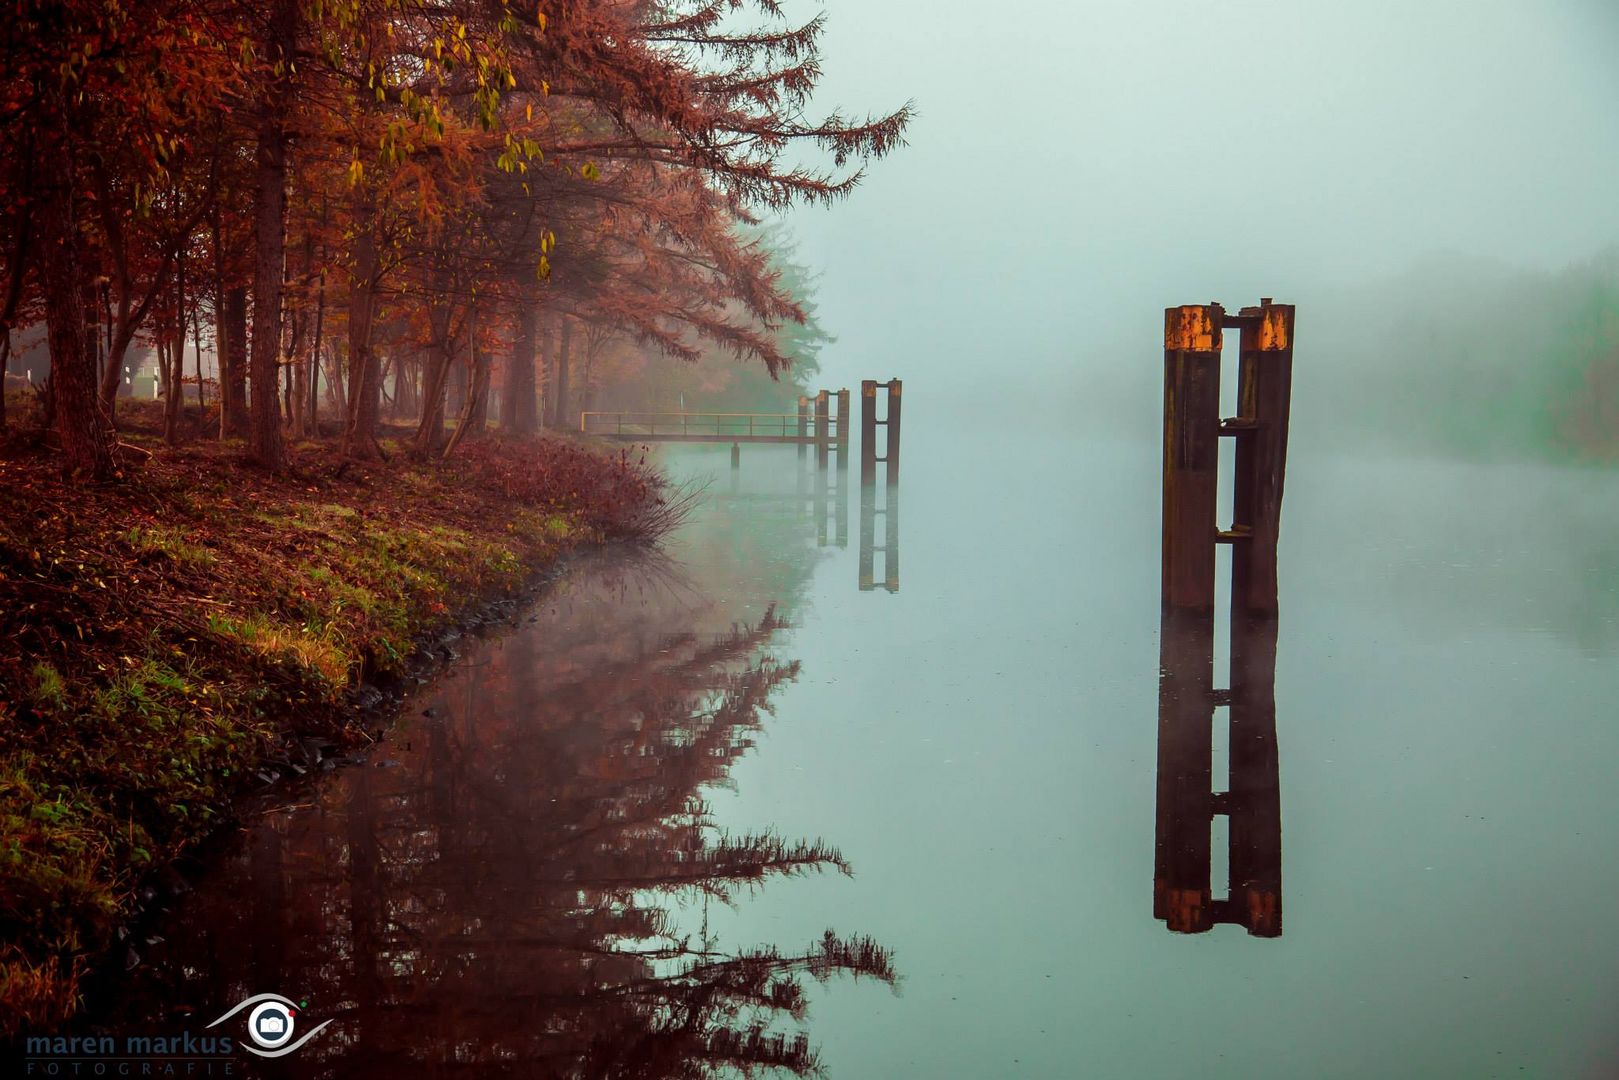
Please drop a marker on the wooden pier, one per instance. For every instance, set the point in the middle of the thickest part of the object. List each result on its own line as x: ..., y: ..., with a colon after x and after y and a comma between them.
x: 821, y: 423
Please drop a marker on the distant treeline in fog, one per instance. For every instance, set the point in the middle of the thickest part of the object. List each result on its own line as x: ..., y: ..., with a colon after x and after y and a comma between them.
x: 1470, y: 358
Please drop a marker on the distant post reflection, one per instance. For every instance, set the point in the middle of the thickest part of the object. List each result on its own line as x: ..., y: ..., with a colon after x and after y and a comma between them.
x: 822, y: 501
x: 868, y: 537
x: 1189, y: 706
x: 830, y: 507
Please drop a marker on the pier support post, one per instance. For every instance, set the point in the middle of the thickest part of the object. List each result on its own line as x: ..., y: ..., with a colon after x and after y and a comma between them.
x: 1265, y: 385
x: 868, y: 432
x: 1181, y: 895
x: 822, y: 435
x: 892, y: 455
x: 1255, y: 801
x: 1192, y: 339
x: 803, y: 426
x: 842, y: 432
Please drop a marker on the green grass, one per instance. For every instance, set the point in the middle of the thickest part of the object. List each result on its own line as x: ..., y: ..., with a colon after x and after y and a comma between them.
x: 168, y: 633
x: 49, y: 690
x: 170, y: 544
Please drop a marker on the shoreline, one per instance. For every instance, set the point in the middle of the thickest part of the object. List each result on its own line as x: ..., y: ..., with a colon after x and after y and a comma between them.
x: 174, y: 645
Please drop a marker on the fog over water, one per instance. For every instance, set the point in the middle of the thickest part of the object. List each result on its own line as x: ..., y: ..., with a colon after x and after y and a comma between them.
x: 1077, y: 167
x: 513, y: 882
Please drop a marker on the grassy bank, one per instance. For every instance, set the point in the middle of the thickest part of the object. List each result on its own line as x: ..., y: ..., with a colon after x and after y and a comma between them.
x: 162, y: 638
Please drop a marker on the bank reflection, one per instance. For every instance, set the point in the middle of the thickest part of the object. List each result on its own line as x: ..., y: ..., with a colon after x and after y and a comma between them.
x: 1192, y: 798
x: 508, y: 888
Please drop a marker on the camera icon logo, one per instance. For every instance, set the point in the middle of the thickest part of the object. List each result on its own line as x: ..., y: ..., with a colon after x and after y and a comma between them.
x: 270, y: 1024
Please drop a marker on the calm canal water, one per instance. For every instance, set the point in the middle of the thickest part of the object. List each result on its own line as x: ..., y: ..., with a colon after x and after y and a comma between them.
x: 611, y: 841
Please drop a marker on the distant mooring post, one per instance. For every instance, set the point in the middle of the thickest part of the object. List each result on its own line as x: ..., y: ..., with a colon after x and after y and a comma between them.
x: 1184, y: 896
x: 868, y: 431
x: 869, y: 511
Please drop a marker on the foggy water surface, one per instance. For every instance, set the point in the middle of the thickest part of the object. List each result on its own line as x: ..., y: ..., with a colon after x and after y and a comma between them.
x: 610, y: 836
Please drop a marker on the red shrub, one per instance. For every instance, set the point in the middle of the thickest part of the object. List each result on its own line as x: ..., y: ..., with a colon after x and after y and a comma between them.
x: 620, y: 495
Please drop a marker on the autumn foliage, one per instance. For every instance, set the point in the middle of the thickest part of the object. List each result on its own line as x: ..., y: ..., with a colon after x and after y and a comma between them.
x: 377, y: 208
x: 405, y: 235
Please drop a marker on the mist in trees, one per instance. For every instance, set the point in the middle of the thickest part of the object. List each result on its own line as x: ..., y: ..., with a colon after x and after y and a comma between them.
x: 384, y: 209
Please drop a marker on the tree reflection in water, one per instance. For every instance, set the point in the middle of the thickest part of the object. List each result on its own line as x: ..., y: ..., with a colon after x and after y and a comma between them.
x: 502, y: 898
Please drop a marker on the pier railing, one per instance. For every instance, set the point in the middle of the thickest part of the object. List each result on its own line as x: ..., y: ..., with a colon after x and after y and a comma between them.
x: 713, y: 427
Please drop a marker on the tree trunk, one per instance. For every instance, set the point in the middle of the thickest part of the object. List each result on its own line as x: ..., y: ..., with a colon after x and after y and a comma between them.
x: 477, y: 411
x: 404, y: 403
x: 471, y: 422
x: 312, y: 402
x: 232, y: 350
x: 5, y: 365
x: 122, y: 332
x: 548, y: 372
x: 457, y: 397
x: 175, y: 378
x: 518, y: 415
x: 293, y: 341
x: 385, y: 368
x: 359, y: 437
x: 18, y: 266
x: 196, y: 335
x: 335, y: 381
x: 586, y: 395
x: 559, y: 404
x: 230, y: 336
x: 436, y: 376
x: 270, y: 214
x: 82, y: 424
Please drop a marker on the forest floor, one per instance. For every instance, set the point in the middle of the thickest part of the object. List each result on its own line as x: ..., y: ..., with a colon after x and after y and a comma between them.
x: 166, y: 640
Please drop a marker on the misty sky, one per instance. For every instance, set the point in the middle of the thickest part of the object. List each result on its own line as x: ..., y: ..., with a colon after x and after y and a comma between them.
x: 1076, y: 166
